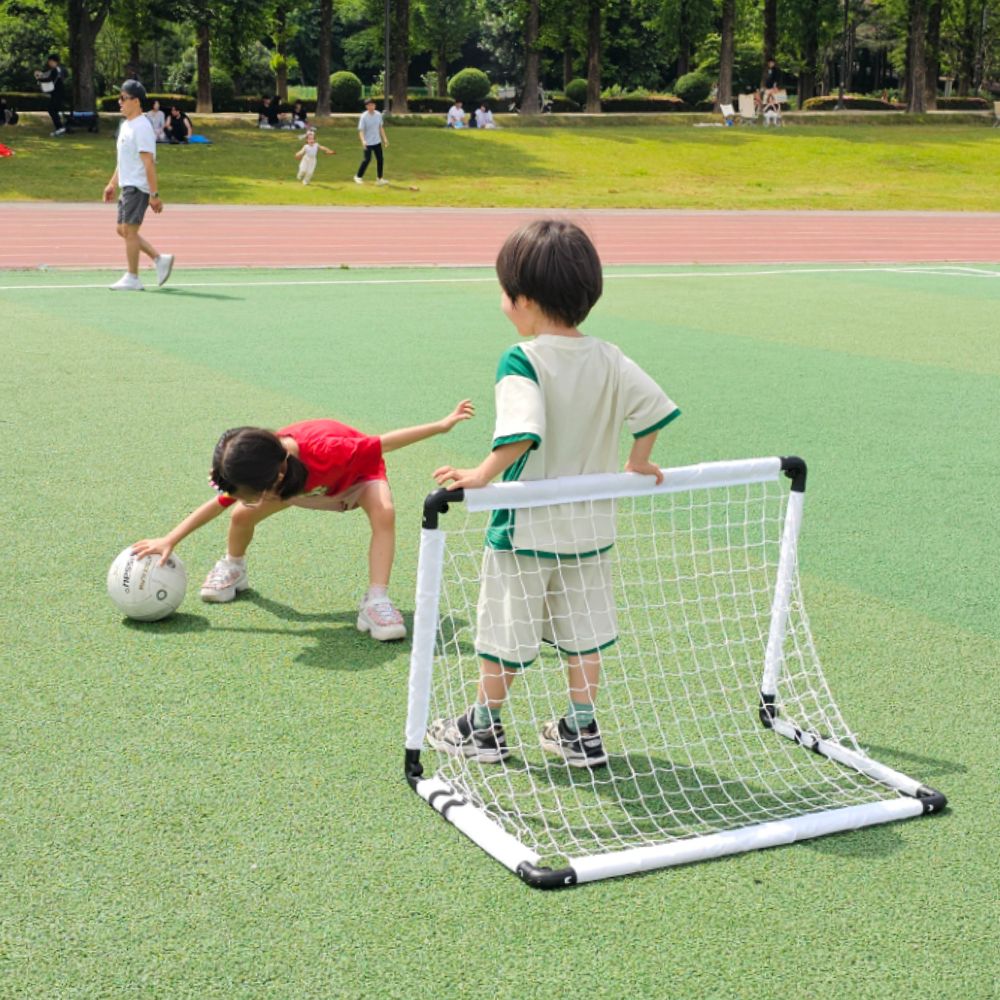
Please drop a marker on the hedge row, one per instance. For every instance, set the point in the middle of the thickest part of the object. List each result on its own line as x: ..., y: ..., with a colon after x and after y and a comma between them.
x: 853, y: 102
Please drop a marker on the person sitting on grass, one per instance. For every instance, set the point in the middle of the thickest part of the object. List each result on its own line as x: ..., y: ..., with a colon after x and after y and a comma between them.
x: 308, y: 155
x: 456, y: 116
x: 177, y: 127
x: 561, y: 401
x: 299, y: 116
x: 158, y: 120
x: 318, y: 464
x: 484, y: 117
x: 269, y: 117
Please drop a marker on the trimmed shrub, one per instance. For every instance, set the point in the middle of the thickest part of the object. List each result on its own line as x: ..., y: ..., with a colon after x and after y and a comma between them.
x: 184, y: 101
x: 693, y: 88
x: 33, y: 101
x: 470, y: 86
x: 223, y: 90
x: 428, y: 105
x: 664, y: 103
x: 963, y: 104
x: 345, y: 92
x: 576, y: 91
x: 852, y: 102
x: 563, y: 105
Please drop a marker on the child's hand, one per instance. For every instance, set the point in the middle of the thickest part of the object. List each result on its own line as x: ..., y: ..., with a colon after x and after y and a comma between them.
x: 460, y: 478
x: 644, y: 469
x: 152, y: 547
x: 465, y: 410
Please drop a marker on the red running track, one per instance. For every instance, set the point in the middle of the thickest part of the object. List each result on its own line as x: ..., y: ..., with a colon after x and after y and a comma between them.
x: 83, y: 235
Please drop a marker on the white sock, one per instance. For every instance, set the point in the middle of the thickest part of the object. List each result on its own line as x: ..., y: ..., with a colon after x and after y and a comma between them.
x: 236, y: 560
x: 374, y: 593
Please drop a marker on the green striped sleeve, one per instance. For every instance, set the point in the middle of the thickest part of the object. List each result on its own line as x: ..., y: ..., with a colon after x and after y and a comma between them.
x: 659, y: 425
x: 515, y: 362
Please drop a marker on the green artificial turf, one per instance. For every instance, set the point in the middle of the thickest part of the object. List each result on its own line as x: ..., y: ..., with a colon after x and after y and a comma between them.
x: 213, y: 806
x: 851, y: 167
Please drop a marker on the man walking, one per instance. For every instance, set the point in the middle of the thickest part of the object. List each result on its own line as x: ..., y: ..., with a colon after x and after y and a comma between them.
x: 136, y: 173
x: 52, y: 80
x: 371, y: 131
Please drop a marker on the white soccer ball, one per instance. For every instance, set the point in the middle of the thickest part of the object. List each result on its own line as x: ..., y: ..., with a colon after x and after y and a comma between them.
x: 144, y: 590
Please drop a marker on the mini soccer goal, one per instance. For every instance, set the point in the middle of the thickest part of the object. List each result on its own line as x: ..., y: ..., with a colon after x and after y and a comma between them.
x: 721, y: 732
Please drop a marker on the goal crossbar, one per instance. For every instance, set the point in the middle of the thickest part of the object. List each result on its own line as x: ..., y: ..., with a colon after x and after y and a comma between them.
x: 747, y: 775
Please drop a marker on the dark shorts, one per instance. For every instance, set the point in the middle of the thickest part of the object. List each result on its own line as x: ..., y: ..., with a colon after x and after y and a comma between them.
x: 132, y: 205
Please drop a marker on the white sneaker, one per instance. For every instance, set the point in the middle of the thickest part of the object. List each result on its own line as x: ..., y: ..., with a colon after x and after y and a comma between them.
x: 127, y: 283
x: 164, y: 264
x: 380, y: 617
x: 359, y: 180
x: 225, y: 580
x: 381, y: 182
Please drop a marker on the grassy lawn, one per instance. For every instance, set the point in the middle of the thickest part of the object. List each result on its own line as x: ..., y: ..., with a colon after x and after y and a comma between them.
x: 847, y: 167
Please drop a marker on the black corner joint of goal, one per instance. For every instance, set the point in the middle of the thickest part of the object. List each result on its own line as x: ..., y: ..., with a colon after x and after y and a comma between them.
x: 768, y: 710
x: 545, y: 878
x: 795, y: 468
x: 932, y: 800
x: 436, y: 504
x: 412, y: 767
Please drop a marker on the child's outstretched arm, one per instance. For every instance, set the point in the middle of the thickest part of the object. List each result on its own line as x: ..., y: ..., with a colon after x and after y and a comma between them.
x: 638, y: 459
x: 329, y: 152
x: 208, y: 511
x: 496, y: 462
x: 300, y: 153
x: 410, y: 435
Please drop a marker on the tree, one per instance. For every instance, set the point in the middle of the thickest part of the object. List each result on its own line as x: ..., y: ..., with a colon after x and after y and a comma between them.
x: 770, y: 34
x: 441, y: 27
x: 323, y: 72
x: 726, y: 46
x: 84, y: 18
x: 399, y: 55
x: 29, y: 32
x: 529, y: 88
x: 916, y: 59
x: 593, y: 56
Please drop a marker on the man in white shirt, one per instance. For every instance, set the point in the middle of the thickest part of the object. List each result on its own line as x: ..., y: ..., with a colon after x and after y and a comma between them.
x: 456, y: 116
x: 136, y: 173
x: 371, y: 132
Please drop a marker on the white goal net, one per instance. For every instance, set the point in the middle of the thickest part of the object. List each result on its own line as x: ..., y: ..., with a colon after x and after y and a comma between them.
x: 709, y: 702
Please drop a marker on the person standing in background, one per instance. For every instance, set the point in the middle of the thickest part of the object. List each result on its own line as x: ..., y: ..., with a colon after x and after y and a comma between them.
x: 53, y: 80
x: 371, y: 132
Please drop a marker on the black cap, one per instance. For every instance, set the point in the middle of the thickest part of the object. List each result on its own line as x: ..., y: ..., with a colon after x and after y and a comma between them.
x: 134, y: 89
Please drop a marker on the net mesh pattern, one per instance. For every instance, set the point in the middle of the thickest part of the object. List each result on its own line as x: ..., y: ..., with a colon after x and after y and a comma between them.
x: 694, y: 577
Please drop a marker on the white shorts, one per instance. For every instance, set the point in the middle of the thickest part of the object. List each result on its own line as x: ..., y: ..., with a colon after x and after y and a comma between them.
x: 526, y: 600
x: 349, y: 499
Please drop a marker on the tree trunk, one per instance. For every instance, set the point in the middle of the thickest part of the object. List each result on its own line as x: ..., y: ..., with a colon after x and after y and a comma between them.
x: 399, y: 55
x: 323, y: 69
x: 684, y: 42
x: 933, y: 62
x: 567, y: 62
x: 770, y: 34
x: 84, y: 19
x: 916, y: 63
x: 204, y: 100
x: 529, y: 92
x: 133, y: 59
x: 594, y: 57
x: 441, y: 68
x: 810, y: 53
x: 281, y: 47
x: 728, y: 31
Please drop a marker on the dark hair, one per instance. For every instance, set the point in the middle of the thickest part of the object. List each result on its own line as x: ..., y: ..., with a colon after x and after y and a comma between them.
x: 52, y: 58
x: 252, y: 458
x: 554, y: 264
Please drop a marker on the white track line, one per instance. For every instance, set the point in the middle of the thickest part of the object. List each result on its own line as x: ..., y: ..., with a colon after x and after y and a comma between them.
x: 949, y: 271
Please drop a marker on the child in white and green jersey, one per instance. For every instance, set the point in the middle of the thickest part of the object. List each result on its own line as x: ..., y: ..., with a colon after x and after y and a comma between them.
x: 562, y: 399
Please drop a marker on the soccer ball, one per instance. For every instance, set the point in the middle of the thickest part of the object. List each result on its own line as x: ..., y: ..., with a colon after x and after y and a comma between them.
x: 144, y: 590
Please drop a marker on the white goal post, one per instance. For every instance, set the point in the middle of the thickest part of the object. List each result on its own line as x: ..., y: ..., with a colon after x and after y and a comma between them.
x: 721, y: 731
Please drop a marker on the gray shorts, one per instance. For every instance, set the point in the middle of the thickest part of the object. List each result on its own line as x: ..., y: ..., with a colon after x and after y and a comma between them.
x: 132, y: 205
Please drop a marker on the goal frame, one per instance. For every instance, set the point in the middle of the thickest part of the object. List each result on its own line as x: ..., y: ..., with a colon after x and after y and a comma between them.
x: 915, y: 798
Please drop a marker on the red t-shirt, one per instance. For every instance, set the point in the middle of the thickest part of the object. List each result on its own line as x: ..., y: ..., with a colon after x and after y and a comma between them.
x: 336, y: 457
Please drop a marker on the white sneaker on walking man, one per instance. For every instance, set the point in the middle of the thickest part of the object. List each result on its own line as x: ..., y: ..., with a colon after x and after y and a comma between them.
x: 136, y: 174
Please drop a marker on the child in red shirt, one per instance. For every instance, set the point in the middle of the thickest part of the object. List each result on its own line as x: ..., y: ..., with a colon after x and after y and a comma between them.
x: 321, y: 464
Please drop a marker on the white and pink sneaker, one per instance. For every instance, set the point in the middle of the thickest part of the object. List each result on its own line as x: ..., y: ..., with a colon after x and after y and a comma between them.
x: 225, y: 580
x: 379, y: 617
